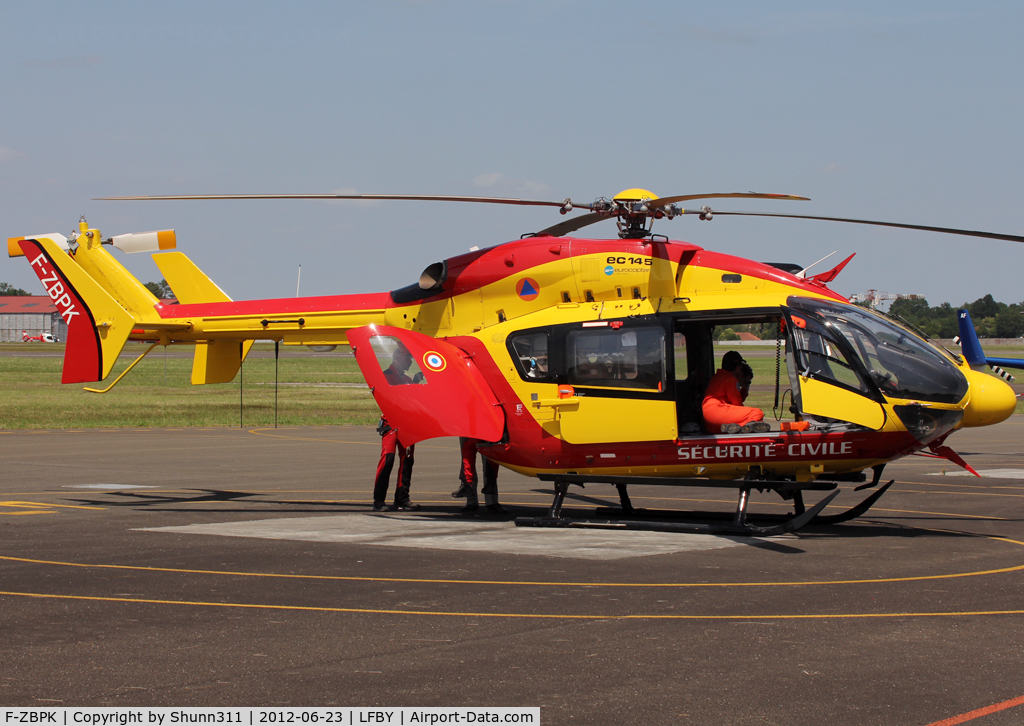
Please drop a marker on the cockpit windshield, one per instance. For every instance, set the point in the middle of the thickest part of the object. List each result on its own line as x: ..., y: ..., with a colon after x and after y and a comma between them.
x: 900, y: 364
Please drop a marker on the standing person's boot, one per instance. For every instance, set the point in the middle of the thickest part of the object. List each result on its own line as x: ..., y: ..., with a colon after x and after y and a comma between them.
x: 472, y: 503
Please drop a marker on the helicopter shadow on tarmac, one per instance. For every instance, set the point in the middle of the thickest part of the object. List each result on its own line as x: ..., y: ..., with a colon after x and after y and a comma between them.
x: 145, y: 499
x: 848, y: 530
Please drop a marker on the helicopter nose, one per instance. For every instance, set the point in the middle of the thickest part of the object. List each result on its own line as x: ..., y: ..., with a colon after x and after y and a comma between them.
x: 992, y: 400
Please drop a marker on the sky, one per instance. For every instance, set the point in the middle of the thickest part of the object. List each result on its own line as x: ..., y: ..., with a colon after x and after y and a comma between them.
x: 895, y: 111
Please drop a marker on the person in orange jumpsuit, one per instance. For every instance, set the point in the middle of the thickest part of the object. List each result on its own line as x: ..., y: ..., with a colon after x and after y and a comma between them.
x: 723, y: 407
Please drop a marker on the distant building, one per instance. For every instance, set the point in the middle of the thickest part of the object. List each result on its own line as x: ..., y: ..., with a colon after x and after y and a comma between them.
x: 34, y: 314
x: 747, y: 336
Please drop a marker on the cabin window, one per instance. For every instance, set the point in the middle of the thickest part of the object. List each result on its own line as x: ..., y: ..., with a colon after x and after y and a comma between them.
x: 821, y: 358
x: 530, y: 353
x: 400, y: 368
x: 729, y: 277
x: 621, y: 358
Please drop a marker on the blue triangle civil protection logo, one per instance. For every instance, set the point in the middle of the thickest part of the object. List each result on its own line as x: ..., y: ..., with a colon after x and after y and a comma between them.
x: 527, y: 289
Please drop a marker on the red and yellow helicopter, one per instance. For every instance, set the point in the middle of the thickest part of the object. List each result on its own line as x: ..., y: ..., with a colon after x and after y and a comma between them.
x: 560, y: 352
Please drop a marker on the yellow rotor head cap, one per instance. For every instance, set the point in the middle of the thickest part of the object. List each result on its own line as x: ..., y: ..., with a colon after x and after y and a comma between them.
x: 634, y: 195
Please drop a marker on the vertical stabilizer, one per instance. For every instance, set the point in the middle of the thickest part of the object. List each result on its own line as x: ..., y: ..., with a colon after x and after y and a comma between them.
x: 218, y: 361
x: 97, y: 325
x: 188, y: 283
x: 970, y: 346
x: 215, y: 361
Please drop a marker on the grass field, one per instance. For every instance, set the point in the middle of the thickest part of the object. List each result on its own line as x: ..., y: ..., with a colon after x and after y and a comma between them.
x: 314, y: 389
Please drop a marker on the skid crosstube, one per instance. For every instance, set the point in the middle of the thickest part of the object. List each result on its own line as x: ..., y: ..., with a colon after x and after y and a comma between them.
x: 707, y: 524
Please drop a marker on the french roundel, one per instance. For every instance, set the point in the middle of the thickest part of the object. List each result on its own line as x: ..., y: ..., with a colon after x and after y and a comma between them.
x: 434, y: 361
x: 527, y: 289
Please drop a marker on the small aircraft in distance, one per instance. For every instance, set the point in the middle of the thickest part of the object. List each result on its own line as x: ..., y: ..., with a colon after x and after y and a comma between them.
x: 577, y: 360
x: 41, y: 338
x: 975, y: 356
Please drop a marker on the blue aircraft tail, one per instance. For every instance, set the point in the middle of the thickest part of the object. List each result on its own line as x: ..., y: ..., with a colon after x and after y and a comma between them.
x: 970, y: 346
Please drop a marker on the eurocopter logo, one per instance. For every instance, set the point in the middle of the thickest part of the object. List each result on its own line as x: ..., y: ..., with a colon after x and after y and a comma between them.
x: 527, y: 289
x: 609, y: 270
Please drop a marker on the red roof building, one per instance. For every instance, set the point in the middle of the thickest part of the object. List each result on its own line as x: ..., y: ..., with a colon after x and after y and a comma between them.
x: 33, y: 314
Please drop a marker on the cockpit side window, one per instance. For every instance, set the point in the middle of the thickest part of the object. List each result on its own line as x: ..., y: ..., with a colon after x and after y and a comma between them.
x: 400, y: 369
x: 530, y: 353
x: 619, y: 358
x: 821, y: 357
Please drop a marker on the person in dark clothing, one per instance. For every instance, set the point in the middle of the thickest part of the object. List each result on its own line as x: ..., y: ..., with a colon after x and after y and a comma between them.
x: 468, y: 477
x: 396, y: 375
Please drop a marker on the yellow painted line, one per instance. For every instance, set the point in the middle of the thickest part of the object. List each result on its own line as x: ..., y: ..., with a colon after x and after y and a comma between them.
x: 354, y: 578
x: 301, y: 438
x: 962, y: 494
x: 27, y: 511
x: 263, y: 432
x: 966, y: 486
x: 538, y: 616
x: 959, y: 515
x: 44, y: 504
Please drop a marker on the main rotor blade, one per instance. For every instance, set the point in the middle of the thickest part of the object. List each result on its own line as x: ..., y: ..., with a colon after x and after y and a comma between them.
x: 925, y: 228
x: 571, y: 225
x: 661, y: 201
x: 404, y: 197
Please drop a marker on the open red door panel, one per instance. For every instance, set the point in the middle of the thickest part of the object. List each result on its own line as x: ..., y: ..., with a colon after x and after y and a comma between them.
x: 426, y: 387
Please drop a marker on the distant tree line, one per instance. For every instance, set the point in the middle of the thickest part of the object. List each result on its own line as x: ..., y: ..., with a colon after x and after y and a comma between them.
x: 160, y: 289
x: 991, y: 319
x: 6, y: 289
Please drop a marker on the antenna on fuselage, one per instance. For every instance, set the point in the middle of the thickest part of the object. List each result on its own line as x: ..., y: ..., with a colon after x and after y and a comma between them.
x: 803, y: 272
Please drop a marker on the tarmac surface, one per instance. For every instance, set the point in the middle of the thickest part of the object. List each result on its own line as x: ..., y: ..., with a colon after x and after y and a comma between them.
x: 244, y: 567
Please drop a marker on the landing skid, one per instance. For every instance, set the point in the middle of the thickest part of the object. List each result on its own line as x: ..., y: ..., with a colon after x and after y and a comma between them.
x: 737, y: 530
x: 852, y: 512
x: 627, y: 517
x: 738, y: 526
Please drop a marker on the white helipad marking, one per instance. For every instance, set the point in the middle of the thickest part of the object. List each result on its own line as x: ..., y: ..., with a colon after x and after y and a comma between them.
x: 988, y: 473
x: 110, y: 486
x: 501, y: 537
